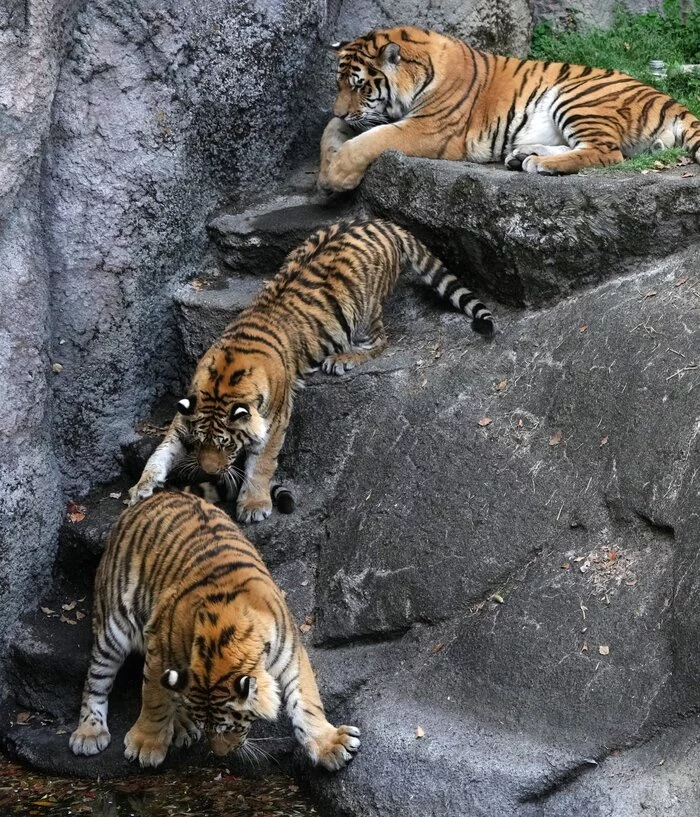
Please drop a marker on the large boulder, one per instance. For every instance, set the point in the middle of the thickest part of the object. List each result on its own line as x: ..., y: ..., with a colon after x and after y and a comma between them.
x: 498, y: 541
x: 530, y: 239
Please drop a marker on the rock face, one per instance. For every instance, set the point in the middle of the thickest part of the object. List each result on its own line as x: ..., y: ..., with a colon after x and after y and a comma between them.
x: 529, y: 240
x: 503, y: 28
x: 30, y: 507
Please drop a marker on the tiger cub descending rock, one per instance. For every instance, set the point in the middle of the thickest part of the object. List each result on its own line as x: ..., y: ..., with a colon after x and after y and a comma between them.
x: 322, y: 309
x: 180, y: 583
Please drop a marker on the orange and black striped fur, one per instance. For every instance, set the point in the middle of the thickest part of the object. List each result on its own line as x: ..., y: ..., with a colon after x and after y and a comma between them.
x: 434, y: 96
x: 180, y: 583
x: 323, y: 309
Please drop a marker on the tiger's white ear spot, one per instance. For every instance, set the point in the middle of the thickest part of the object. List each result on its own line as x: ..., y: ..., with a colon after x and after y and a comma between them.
x: 174, y: 679
x: 184, y: 404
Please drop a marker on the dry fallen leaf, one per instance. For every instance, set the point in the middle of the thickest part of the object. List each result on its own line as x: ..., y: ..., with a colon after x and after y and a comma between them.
x: 660, y: 165
x: 650, y: 294
x: 439, y: 646
x: 583, y: 327
x: 686, y: 175
x: 502, y: 384
x: 485, y: 421
x: 420, y: 732
x: 75, y: 513
x: 66, y: 620
x: 70, y: 606
x: 80, y: 616
x: 56, y: 368
x: 681, y: 281
x: 603, y: 649
x: 48, y: 611
x: 22, y: 717
x: 604, y: 440
x: 497, y: 597
x: 116, y: 494
x: 555, y: 439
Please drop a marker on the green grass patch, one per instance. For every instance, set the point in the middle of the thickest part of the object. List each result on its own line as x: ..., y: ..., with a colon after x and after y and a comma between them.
x: 671, y: 35
x: 646, y: 161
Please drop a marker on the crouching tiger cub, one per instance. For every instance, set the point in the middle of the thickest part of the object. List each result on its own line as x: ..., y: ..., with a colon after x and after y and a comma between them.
x: 179, y: 582
x: 323, y: 309
x: 434, y: 96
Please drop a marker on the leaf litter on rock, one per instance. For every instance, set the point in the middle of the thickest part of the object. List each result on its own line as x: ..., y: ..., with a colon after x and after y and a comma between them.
x: 182, y: 793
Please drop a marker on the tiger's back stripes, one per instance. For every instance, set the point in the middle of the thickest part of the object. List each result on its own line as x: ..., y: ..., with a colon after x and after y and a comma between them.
x: 434, y: 96
x: 179, y: 582
x: 322, y: 309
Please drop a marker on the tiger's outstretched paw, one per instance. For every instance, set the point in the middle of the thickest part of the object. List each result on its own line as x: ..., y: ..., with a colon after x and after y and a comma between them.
x: 89, y: 739
x: 335, y: 749
x: 142, y: 490
x: 149, y: 748
x: 251, y: 509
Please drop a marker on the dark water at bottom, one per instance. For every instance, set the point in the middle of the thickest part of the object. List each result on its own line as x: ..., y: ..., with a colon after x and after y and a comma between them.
x: 185, y: 793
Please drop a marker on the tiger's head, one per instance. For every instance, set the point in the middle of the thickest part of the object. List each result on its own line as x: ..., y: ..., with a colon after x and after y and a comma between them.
x: 381, y: 76
x: 226, y: 687
x: 229, y: 407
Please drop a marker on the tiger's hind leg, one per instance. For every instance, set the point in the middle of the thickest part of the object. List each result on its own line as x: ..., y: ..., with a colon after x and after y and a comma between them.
x: 330, y: 746
x: 361, y: 351
x: 109, y: 649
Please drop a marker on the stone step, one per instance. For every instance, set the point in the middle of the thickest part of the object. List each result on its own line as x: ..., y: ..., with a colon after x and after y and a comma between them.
x: 528, y: 240
x: 255, y: 241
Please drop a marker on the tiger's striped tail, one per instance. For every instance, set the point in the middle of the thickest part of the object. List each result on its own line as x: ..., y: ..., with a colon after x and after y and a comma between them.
x: 434, y: 273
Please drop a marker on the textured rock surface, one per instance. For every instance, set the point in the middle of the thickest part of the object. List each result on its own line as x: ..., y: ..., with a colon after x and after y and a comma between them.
x: 162, y: 109
x: 530, y: 239
x: 523, y: 590
x: 503, y: 28
x: 30, y: 507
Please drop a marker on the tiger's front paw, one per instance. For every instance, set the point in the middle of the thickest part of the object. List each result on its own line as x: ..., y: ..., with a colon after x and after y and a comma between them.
x: 253, y: 508
x: 89, y: 739
x: 149, y: 748
x: 336, y: 748
x: 186, y: 733
x: 145, y: 487
x: 344, y: 171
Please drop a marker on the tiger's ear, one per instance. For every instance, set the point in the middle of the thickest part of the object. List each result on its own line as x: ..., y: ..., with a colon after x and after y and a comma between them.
x: 187, y: 405
x: 244, y: 686
x: 239, y: 412
x: 390, y: 54
x: 175, y: 679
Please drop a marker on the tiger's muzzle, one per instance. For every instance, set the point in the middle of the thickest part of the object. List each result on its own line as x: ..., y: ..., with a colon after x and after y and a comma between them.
x: 221, y: 743
x: 211, y: 459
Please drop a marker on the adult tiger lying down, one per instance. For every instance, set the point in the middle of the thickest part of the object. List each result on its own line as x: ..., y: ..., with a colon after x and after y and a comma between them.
x: 322, y: 309
x: 179, y: 582
x: 434, y: 96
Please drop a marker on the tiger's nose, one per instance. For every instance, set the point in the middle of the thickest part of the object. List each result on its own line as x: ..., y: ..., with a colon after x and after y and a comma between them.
x: 211, y: 459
